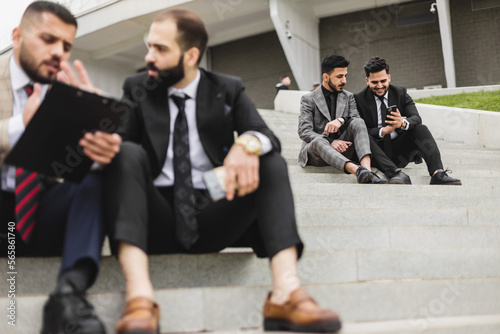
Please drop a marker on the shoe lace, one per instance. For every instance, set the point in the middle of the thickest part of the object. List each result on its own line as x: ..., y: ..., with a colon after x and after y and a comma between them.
x: 447, y: 170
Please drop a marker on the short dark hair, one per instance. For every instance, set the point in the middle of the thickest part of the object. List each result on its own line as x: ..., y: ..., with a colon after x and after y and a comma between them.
x: 330, y: 62
x: 39, y: 7
x: 283, y: 77
x: 374, y: 65
x: 191, y: 31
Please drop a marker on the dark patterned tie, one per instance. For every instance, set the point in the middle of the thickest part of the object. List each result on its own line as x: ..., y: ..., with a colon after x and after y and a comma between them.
x: 387, y: 138
x: 27, y: 191
x: 185, y: 220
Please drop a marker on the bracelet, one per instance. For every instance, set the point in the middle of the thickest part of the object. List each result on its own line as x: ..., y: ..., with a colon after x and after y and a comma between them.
x: 341, y: 120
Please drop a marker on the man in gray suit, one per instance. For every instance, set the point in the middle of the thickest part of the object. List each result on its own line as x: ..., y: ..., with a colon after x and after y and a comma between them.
x: 330, y: 126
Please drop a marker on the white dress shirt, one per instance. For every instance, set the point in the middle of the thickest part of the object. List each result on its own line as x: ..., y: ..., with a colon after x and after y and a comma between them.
x: 15, y: 128
x: 394, y: 134
x: 200, y: 162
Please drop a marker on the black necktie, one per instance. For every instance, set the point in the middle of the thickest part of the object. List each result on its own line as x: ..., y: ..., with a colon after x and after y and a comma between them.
x: 27, y: 191
x: 185, y: 220
x: 387, y: 138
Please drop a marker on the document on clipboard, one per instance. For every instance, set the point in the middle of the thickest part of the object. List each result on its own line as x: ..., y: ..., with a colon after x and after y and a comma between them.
x: 49, y: 144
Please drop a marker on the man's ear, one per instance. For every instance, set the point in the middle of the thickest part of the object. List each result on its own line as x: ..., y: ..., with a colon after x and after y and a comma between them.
x: 325, y: 77
x: 367, y: 81
x: 17, y: 35
x: 191, y: 57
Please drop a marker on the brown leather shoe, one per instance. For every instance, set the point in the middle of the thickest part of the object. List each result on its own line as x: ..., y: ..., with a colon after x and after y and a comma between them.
x: 141, y: 316
x: 299, y: 314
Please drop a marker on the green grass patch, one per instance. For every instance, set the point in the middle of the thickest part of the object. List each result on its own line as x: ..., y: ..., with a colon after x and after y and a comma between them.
x: 489, y: 101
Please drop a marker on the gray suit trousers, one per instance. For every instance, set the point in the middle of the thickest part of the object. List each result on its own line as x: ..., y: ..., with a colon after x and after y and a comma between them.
x: 321, y: 153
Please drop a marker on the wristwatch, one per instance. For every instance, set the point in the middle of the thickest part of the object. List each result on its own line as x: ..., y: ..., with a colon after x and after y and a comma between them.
x: 250, y: 144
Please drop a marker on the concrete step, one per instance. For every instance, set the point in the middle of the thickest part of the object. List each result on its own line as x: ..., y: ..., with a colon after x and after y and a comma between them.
x: 336, y: 178
x: 482, y: 324
x: 412, y: 216
x: 415, y: 170
x: 360, y: 200
x: 350, y: 189
x: 446, y: 156
x: 379, y: 237
x: 220, y: 308
x: 322, y: 266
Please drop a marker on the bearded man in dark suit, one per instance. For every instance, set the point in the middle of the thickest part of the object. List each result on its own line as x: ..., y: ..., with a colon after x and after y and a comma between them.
x: 398, y: 136
x: 182, y: 124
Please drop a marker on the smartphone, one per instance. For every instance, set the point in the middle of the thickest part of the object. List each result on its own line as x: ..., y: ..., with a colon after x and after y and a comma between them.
x: 391, y: 109
x: 215, y: 180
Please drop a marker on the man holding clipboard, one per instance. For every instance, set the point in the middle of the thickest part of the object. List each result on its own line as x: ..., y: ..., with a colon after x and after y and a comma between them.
x: 40, y: 216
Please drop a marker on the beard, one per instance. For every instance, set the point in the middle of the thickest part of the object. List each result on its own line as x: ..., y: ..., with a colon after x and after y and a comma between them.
x: 169, y: 76
x: 335, y: 88
x: 29, y: 65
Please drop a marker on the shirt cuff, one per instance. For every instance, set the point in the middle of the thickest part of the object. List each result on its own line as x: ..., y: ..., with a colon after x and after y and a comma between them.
x: 407, y: 125
x: 380, y: 133
x: 15, y: 129
x: 96, y: 167
x: 265, y: 142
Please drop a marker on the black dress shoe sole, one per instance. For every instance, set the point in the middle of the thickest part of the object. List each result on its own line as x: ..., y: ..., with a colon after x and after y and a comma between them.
x: 283, y: 325
x: 141, y: 332
x: 454, y: 183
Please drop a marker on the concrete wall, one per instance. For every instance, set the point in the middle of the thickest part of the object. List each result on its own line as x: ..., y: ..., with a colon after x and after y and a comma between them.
x: 413, y: 53
x: 476, y: 43
x: 259, y: 61
x: 106, y: 75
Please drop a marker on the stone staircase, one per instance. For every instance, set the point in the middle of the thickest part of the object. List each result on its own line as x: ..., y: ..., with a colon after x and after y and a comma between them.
x: 391, y: 259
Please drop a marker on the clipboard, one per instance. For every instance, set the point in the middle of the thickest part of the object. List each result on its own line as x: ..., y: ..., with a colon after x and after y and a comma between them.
x: 49, y: 144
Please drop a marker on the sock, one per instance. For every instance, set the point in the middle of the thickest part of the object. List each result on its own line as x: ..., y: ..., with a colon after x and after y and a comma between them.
x: 77, y: 278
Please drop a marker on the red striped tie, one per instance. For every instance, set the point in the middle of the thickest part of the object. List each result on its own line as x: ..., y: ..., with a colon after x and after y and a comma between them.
x: 27, y: 191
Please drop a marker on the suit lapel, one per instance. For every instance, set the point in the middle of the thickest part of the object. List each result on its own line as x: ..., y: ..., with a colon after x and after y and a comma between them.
x: 372, y: 105
x: 320, y: 101
x: 210, y: 110
x: 393, y: 99
x: 341, y: 104
x: 157, y: 120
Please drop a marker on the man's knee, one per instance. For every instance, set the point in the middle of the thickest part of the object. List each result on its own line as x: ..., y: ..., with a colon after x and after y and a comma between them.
x: 357, y: 124
x: 316, y: 143
x: 273, y: 165
x: 131, y: 156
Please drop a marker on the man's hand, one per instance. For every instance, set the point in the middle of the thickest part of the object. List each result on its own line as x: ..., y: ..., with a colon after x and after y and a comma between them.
x: 341, y: 145
x: 332, y: 127
x: 100, y: 146
x: 394, y: 119
x: 242, y: 169
x: 80, y: 80
x: 32, y: 104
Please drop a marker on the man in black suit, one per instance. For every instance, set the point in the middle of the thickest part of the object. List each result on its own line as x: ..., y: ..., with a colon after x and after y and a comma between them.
x: 182, y: 124
x: 398, y: 136
x: 42, y: 216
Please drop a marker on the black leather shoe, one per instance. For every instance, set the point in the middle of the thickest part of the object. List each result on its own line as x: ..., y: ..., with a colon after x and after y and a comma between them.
x: 441, y: 177
x: 398, y: 177
x: 377, y: 180
x: 68, y: 313
x: 364, y: 175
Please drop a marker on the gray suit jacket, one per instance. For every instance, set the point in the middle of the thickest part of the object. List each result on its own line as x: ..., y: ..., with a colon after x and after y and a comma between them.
x: 6, y: 105
x: 314, y: 116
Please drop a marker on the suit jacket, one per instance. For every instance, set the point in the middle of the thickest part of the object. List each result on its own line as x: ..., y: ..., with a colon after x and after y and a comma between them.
x: 6, y: 105
x: 314, y: 115
x: 222, y: 107
x: 397, y: 96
